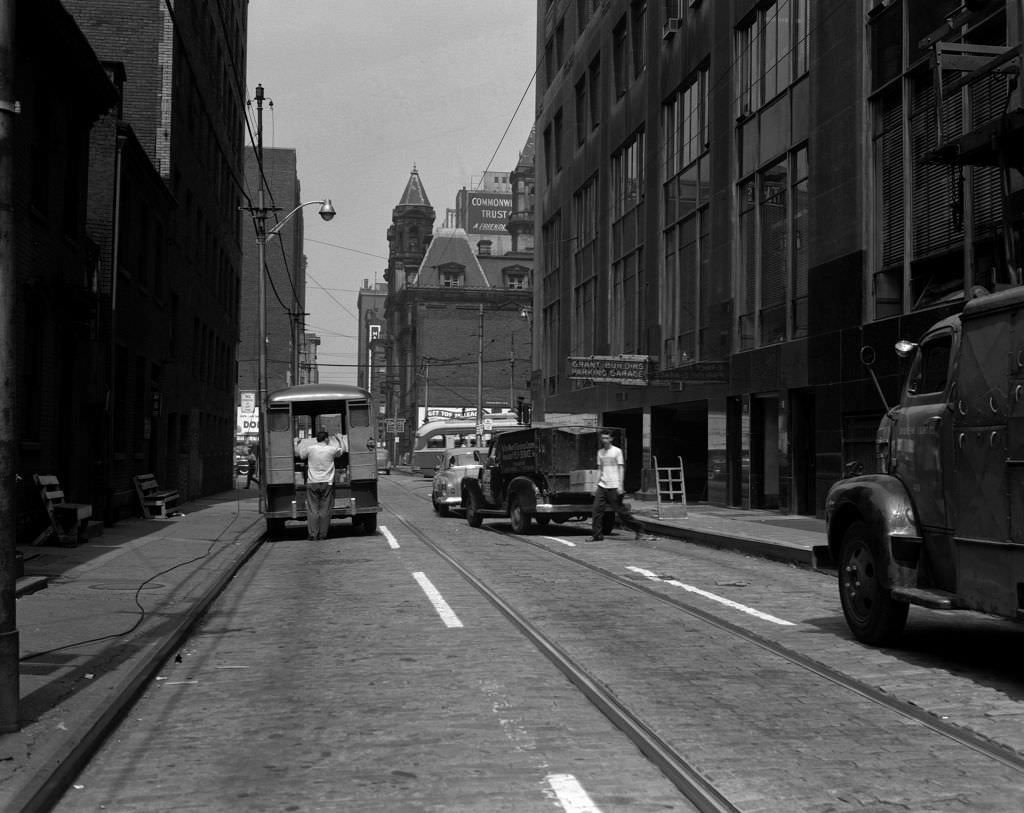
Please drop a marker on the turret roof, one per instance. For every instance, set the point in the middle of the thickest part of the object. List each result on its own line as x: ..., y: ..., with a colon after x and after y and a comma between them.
x: 415, y: 194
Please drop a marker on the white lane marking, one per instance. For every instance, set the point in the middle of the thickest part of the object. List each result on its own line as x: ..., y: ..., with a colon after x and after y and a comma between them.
x: 561, y: 541
x: 570, y: 793
x: 447, y: 614
x: 720, y: 599
x: 390, y: 537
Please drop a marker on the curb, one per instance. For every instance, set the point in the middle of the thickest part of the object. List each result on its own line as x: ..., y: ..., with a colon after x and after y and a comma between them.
x: 45, y: 786
x: 812, y: 558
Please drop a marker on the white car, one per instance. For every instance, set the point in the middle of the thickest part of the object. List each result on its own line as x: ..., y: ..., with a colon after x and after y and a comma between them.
x: 446, y: 493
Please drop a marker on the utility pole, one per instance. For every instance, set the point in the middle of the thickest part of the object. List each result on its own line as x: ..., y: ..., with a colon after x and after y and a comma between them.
x: 480, y: 381
x: 260, y: 219
x: 10, y: 690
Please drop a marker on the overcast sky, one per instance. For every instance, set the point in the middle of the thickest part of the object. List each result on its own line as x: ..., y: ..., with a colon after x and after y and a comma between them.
x: 365, y: 89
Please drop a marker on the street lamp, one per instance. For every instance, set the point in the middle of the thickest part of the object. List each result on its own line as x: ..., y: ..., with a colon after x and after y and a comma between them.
x: 263, y: 234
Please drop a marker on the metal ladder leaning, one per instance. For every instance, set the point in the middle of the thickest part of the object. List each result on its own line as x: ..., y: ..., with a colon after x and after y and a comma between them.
x: 670, y: 489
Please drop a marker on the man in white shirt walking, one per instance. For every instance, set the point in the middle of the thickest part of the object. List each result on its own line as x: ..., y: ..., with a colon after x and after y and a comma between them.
x: 611, y: 466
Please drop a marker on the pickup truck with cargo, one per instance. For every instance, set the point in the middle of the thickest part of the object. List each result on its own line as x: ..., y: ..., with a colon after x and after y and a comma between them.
x: 537, y: 475
x: 941, y: 523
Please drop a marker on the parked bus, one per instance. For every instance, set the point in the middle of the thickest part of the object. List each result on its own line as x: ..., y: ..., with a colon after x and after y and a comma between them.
x: 296, y: 414
x: 435, y: 436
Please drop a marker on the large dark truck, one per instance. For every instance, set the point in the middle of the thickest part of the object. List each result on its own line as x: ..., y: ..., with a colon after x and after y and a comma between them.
x: 941, y: 524
x: 536, y: 475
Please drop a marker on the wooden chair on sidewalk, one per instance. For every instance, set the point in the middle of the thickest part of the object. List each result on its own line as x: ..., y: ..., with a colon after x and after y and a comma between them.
x: 155, y: 501
x: 69, y: 521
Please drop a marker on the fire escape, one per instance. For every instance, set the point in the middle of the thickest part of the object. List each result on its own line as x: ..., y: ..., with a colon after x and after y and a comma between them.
x: 960, y: 67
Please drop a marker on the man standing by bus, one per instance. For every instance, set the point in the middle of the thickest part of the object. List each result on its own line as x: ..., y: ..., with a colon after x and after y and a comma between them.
x: 320, y: 457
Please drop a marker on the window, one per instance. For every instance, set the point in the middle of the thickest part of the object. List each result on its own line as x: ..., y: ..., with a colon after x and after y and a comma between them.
x: 517, y: 280
x: 558, y: 141
x: 619, y: 57
x: 771, y: 53
x: 638, y: 35
x: 548, y: 156
x: 686, y: 192
x: 931, y: 366
x: 585, y: 9
x: 451, y: 276
x: 628, y: 175
x: 582, y: 126
x: 585, y: 220
x: 594, y: 83
x: 925, y: 214
x: 772, y: 300
x: 550, y: 339
x: 560, y: 44
x: 626, y: 282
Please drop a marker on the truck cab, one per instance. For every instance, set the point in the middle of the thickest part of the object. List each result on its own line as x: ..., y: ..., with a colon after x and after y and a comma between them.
x: 941, y: 523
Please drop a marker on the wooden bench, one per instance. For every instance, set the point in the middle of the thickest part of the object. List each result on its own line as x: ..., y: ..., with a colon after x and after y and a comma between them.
x: 155, y: 501
x: 69, y: 521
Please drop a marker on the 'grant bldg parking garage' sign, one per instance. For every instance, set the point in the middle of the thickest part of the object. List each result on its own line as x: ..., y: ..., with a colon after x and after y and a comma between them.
x: 626, y: 370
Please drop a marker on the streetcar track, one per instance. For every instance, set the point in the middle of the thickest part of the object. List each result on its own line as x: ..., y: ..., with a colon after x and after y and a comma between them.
x: 962, y: 736
x: 702, y: 794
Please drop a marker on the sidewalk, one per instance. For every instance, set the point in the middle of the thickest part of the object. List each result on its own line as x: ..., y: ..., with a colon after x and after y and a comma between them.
x: 789, y: 538
x: 88, y: 650
x: 96, y: 622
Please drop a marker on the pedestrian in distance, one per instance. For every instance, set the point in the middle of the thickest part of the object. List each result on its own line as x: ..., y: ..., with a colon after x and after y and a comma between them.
x: 320, y: 457
x: 250, y: 474
x: 611, y: 466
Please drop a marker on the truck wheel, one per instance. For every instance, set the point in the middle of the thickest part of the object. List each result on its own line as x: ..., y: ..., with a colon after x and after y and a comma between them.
x: 871, y: 613
x: 520, y: 519
x: 472, y: 511
x: 365, y: 523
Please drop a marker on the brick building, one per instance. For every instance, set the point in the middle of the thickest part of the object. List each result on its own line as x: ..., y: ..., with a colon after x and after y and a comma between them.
x: 458, y: 320
x: 165, y: 186
x: 59, y: 348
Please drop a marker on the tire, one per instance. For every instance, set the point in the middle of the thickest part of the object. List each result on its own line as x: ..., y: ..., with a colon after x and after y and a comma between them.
x: 275, y: 527
x: 871, y: 613
x: 472, y: 510
x: 607, y: 522
x: 365, y: 523
x: 520, y: 519
x: 436, y: 504
x: 443, y: 510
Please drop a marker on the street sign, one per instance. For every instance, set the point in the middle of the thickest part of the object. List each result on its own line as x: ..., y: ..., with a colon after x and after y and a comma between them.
x: 488, y: 424
x: 248, y: 399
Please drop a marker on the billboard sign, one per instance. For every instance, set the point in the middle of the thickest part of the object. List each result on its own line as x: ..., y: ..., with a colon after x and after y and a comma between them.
x: 487, y: 212
x: 626, y: 370
x: 248, y: 423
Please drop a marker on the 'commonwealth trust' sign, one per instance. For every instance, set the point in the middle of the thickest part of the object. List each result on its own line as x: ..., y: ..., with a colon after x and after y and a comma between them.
x: 617, y: 369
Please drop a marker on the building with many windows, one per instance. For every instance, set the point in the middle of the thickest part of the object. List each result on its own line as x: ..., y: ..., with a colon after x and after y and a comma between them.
x: 737, y: 204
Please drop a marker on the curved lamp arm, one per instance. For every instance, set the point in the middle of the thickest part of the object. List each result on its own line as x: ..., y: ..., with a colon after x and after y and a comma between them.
x: 326, y: 212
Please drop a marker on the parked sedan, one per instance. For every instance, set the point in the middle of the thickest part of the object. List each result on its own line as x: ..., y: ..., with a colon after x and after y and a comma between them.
x: 455, y: 464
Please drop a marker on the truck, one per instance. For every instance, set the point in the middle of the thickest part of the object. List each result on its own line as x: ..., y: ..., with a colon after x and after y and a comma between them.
x: 941, y: 522
x: 537, y: 475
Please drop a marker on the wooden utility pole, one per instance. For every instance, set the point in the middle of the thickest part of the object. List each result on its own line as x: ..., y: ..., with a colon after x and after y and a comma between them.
x: 9, y: 647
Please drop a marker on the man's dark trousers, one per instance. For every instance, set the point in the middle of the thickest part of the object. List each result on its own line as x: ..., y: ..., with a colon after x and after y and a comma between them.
x: 609, y: 499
